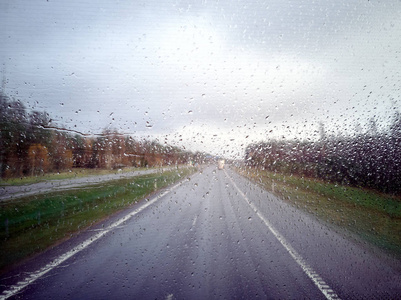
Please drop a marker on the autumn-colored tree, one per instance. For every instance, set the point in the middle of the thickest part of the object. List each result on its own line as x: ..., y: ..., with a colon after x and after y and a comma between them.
x: 60, y: 153
x: 29, y: 144
x: 103, y: 150
x: 82, y: 149
x: 117, y: 144
x: 13, y: 137
x: 38, y: 159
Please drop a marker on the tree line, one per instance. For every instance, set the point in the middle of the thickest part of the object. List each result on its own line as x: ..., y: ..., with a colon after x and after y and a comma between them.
x: 371, y: 159
x: 31, y: 145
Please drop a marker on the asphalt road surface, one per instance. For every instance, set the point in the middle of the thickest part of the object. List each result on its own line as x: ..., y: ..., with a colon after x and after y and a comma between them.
x: 214, y: 236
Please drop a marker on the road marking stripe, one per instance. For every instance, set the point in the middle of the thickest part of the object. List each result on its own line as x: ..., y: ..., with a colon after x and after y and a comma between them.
x: 14, y: 289
x: 194, y: 222
x: 170, y: 297
x: 315, y: 277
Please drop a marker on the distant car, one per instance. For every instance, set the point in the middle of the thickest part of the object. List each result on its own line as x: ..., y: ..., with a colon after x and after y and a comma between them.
x: 220, y: 164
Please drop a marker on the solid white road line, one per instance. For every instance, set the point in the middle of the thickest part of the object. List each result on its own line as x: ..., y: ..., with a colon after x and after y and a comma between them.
x: 14, y: 289
x: 315, y: 277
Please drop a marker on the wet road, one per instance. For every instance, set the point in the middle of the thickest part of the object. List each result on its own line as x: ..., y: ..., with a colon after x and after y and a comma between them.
x: 215, y: 236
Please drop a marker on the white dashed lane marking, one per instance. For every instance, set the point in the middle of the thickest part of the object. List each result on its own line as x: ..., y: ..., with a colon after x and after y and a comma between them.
x: 194, y: 222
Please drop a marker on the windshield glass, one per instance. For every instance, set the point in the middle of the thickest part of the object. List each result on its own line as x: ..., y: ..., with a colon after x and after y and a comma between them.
x: 221, y: 132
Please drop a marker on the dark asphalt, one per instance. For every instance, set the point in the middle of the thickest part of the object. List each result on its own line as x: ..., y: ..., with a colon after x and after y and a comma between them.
x: 203, y: 240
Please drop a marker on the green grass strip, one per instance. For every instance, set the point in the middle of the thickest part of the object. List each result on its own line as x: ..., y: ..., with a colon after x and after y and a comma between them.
x: 73, y: 173
x: 32, y: 224
x: 373, y: 216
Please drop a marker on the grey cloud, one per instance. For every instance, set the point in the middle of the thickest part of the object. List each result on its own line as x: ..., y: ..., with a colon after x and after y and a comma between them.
x: 151, y: 67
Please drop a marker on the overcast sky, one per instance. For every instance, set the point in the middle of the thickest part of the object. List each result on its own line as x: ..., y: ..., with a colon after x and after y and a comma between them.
x: 207, y: 75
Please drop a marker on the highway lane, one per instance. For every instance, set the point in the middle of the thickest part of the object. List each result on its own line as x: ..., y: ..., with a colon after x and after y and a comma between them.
x: 215, y: 236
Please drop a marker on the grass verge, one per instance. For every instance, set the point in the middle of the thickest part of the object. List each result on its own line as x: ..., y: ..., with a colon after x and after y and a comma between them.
x: 32, y: 224
x: 373, y: 216
x: 73, y: 173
